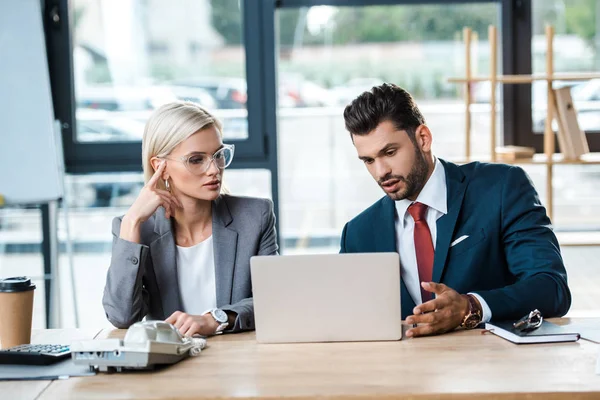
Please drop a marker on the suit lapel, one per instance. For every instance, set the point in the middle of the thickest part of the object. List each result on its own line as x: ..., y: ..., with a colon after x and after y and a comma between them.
x: 384, y: 235
x: 164, y: 260
x: 384, y: 228
x: 225, y: 249
x: 456, y: 185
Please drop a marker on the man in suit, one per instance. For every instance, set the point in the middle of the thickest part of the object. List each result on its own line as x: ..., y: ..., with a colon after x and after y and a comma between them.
x: 475, y: 243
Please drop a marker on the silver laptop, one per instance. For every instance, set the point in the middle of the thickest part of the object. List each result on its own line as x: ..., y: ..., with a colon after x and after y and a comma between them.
x: 327, y: 297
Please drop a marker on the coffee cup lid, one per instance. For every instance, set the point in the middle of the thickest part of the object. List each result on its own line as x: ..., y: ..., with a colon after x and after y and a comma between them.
x: 16, y: 284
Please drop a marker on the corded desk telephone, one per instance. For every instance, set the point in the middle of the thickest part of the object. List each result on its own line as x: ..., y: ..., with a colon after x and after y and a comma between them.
x: 146, y: 344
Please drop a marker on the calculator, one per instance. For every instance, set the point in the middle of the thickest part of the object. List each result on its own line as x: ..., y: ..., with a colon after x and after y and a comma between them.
x: 34, y: 354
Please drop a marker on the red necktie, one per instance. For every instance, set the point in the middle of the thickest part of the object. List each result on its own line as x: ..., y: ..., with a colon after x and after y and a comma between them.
x: 423, y: 246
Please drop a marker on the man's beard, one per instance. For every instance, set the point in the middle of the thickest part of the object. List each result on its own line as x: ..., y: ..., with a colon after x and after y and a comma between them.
x: 415, y: 180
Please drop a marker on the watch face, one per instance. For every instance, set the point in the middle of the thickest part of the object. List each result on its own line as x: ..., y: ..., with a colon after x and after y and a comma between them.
x: 472, y: 321
x: 220, y: 315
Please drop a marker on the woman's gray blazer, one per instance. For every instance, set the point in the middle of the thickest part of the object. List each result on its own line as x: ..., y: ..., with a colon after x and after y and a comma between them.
x: 142, y: 278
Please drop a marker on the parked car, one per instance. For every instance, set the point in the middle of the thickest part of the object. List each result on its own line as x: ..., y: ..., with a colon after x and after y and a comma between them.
x: 195, y: 94
x: 305, y: 93
x: 227, y: 92
x: 344, y: 94
x: 102, y: 126
x: 123, y: 98
x: 586, y: 99
x: 103, y: 190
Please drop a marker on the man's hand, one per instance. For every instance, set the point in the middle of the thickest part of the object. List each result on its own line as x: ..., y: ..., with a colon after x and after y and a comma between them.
x: 189, y: 325
x: 439, y: 315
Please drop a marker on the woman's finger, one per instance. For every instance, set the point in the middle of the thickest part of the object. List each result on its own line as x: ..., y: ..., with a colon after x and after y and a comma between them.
x: 170, y: 195
x: 162, y: 198
x: 186, y: 327
x: 168, y: 205
x: 182, y: 319
x: 162, y: 202
x: 161, y: 167
x: 193, y: 329
x: 173, y: 317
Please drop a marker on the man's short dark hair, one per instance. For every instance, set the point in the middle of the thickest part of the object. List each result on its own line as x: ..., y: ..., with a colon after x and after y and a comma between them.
x: 386, y: 102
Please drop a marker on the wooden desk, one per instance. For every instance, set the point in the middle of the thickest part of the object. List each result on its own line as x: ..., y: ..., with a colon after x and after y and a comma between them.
x: 32, y: 389
x: 456, y: 365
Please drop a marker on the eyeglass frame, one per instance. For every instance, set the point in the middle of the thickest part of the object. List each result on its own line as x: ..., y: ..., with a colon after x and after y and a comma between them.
x: 530, y: 322
x: 185, y: 159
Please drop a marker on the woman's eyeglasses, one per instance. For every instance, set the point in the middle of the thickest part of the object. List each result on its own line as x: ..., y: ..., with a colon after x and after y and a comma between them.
x: 198, y: 164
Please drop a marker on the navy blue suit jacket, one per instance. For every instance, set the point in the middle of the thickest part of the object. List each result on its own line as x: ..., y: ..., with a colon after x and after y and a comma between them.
x: 511, y: 257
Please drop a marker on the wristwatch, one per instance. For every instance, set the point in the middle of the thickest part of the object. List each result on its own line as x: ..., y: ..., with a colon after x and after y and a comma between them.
x: 221, y: 317
x: 474, y: 315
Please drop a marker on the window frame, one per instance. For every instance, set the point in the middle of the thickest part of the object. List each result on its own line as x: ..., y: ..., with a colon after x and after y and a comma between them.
x: 342, y: 3
x: 523, y: 113
x: 513, y: 17
x: 260, y: 43
x: 516, y: 31
x: 83, y: 157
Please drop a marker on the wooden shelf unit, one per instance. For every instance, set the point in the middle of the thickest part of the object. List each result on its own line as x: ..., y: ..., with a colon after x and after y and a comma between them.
x: 549, y: 158
x: 539, y: 159
x: 530, y: 78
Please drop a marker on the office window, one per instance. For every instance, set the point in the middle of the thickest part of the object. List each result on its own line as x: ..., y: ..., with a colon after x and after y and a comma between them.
x: 130, y: 57
x: 576, y: 197
x: 576, y: 49
x: 21, y: 253
x: 327, y: 57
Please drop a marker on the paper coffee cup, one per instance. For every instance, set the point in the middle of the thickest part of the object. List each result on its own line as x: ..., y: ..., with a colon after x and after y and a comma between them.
x: 16, y: 309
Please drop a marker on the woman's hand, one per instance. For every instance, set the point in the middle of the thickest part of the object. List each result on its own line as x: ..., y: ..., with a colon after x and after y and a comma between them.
x: 189, y: 325
x: 149, y: 199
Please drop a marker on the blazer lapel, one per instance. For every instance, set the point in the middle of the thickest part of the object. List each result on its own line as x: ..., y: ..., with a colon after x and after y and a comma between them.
x: 456, y: 185
x: 384, y: 229
x: 225, y: 249
x: 164, y: 260
x: 384, y: 234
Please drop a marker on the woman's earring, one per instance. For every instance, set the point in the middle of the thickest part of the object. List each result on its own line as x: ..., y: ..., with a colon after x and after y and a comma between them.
x: 167, y: 185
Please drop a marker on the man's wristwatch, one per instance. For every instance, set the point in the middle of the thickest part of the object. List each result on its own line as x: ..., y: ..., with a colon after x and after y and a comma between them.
x: 474, y: 315
x: 221, y: 317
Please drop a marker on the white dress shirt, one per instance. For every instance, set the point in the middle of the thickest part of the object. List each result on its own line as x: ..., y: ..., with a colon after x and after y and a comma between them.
x: 196, y: 277
x: 435, y: 195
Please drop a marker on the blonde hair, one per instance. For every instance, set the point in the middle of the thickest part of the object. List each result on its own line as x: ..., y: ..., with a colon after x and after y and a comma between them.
x: 168, y: 126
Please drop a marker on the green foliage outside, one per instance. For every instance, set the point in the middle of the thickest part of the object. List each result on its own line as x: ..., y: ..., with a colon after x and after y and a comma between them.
x: 389, y: 24
x: 438, y: 26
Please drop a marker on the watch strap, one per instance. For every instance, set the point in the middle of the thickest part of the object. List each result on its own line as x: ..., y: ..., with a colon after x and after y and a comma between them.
x: 222, y: 327
x: 222, y: 324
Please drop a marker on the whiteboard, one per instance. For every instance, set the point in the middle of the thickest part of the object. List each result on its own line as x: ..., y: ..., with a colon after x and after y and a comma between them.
x: 31, y: 161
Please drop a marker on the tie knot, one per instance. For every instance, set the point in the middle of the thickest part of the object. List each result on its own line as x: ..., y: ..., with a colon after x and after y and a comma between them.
x: 417, y: 211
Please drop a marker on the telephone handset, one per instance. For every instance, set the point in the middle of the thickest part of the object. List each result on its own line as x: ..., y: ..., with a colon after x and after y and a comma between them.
x: 146, y: 344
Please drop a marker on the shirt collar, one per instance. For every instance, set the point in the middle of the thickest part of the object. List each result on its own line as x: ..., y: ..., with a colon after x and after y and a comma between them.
x: 433, y: 194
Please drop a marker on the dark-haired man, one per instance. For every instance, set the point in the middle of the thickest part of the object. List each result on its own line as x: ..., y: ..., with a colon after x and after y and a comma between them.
x: 475, y: 243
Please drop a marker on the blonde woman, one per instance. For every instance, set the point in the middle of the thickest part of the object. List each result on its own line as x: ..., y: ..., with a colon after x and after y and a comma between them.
x: 182, y: 251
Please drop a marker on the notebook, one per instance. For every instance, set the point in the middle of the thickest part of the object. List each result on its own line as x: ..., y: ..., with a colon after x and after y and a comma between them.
x: 547, y: 333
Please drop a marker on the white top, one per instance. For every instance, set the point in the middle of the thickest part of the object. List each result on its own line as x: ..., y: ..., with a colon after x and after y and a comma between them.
x: 435, y: 196
x: 196, y: 277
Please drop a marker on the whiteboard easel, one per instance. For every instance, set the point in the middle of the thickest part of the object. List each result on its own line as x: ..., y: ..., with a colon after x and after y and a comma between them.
x: 30, y: 141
